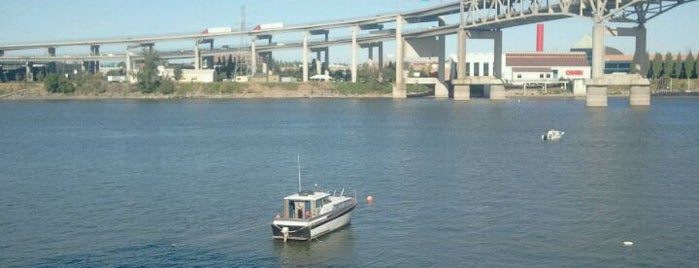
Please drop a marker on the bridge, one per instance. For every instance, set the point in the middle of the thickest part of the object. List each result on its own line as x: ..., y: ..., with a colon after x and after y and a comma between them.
x: 477, y: 19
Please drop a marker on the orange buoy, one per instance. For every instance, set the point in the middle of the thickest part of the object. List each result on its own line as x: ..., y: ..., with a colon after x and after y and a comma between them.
x: 370, y: 199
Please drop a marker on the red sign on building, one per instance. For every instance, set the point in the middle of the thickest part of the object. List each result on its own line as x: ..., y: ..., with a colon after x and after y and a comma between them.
x: 574, y: 72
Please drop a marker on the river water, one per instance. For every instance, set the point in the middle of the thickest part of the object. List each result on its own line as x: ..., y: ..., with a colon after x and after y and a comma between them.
x: 462, y: 184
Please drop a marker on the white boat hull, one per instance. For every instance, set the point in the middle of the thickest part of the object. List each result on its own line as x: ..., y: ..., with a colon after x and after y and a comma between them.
x: 294, y: 229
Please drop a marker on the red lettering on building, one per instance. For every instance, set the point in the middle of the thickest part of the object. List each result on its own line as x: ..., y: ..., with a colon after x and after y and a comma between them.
x: 574, y: 72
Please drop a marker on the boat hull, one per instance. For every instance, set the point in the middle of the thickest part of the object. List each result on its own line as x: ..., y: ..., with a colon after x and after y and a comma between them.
x: 312, y: 228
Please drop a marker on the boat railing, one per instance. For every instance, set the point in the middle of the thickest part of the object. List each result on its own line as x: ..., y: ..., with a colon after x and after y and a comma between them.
x: 352, y: 193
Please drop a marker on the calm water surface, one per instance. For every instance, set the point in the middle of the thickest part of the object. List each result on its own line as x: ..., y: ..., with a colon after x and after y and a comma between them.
x: 197, y: 183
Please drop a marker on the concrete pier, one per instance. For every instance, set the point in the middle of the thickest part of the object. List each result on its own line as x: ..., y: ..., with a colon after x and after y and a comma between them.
x: 399, y: 90
x: 596, y: 95
x: 462, y: 90
x: 639, y: 93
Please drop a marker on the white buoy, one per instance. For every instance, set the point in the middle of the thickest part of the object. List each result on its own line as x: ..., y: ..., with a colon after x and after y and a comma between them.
x: 628, y: 243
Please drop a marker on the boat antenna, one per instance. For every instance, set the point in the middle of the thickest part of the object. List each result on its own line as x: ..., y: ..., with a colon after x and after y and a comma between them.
x: 298, y: 162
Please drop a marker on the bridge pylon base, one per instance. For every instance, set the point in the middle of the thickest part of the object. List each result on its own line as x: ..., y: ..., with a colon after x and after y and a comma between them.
x: 639, y: 95
x: 596, y: 95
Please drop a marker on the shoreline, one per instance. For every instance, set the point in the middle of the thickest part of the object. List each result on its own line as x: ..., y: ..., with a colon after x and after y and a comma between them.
x: 35, y: 91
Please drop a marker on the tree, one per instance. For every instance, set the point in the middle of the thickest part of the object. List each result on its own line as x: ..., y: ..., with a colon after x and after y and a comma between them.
x: 177, y: 73
x: 229, y: 67
x: 56, y: 83
x: 683, y: 72
x: 668, y: 62
x: 650, y: 73
x: 661, y: 74
x: 673, y: 71
x: 694, y: 71
x: 657, y: 62
x: 148, y: 79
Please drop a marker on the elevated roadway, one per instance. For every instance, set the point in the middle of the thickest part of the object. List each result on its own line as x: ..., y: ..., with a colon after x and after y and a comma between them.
x: 475, y: 19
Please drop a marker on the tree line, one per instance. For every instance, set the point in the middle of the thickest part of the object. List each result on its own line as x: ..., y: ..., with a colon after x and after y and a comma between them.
x: 673, y: 66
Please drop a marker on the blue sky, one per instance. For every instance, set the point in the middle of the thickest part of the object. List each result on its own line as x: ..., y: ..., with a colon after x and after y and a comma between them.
x: 44, y: 20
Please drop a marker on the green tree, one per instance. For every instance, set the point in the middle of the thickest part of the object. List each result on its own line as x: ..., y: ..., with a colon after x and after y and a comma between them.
x: 668, y: 63
x: 148, y: 79
x: 56, y: 83
x: 656, y: 64
x: 177, y: 72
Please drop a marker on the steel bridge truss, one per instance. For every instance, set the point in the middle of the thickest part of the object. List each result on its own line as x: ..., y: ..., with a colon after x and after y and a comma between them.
x: 497, y: 14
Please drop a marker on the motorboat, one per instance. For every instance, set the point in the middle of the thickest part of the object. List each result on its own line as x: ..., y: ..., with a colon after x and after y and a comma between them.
x: 310, y: 214
x: 552, y: 135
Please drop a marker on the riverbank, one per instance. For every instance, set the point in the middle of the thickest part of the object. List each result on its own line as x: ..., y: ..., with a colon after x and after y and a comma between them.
x: 227, y: 90
x: 220, y: 90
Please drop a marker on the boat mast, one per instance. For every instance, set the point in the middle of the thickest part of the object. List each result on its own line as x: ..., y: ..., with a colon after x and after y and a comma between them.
x: 298, y: 162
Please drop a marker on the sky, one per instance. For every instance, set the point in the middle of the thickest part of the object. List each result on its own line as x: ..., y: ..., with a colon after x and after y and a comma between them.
x: 676, y: 31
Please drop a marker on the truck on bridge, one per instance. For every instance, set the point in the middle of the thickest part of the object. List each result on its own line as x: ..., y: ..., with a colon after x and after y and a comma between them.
x: 217, y: 30
x: 268, y: 26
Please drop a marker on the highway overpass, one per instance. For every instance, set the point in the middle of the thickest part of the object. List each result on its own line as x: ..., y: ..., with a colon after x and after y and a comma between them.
x: 475, y: 19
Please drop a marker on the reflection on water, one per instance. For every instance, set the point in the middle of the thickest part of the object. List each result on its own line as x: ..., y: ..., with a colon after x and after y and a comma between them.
x: 320, y: 251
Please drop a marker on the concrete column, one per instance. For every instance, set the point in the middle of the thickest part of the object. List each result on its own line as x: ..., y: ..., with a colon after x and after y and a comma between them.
x: 598, y: 49
x: 640, y: 55
x: 305, y: 57
x: 319, y: 62
x: 462, y: 90
x: 327, y: 59
x: 129, y: 70
x: 442, y: 58
x: 461, y: 54
x: 497, y: 61
x: 371, y: 54
x: 94, y: 51
x: 399, y: 90
x: 353, y: 68
x: 29, y: 74
x: 253, y: 57
x: 2, y: 52
x: 197, y: 56
x: 380, y: 55
x: 52, y: 51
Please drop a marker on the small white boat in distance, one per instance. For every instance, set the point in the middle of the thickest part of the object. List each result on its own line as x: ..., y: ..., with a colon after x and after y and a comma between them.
x: 309, y: 214
x: 552, y: 135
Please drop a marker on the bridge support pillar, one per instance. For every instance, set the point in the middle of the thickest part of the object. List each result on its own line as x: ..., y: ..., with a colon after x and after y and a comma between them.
x: 197, y: 56
x: 327, y: 60
x: 94, y: 65
x: 462, y: 90
x: 253, y: 57
x: 353, y: 68
x: 596, y: 95
x: 129, y: 70
x: 639, y: 93
x: 52, y: 51
x: 304, y: 64
x: 380, y: 48
x: 598, y: 49
x: 2, y: 52
x: 461, y: 54
x: 497, y: 55
x: 29, y: 74
x: 640, y: 55
x: 399, y: 91
x: 319, y: 61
